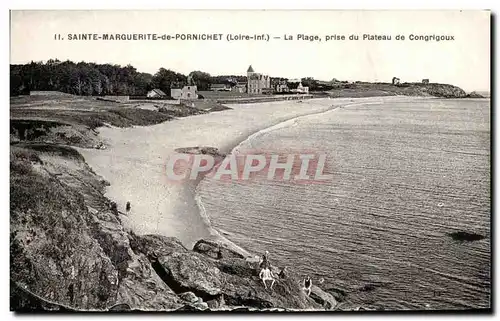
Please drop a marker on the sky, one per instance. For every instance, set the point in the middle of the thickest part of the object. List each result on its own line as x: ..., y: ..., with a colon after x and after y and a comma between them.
x: 464, y: 61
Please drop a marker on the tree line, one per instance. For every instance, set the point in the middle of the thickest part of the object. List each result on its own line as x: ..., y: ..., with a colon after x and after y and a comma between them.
x: 91, y: 79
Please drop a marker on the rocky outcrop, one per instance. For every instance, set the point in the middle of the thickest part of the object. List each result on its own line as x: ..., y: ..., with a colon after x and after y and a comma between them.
x: 197, y: 150
x: 191, y: 272
x: 70, y: 252
x: 444, y: 90
x: 475, y: 95
x: 215, y: 250
x: 321, y: 297
x: 154, y: 246
x: 366, y: 89
x: 67, y: 246
x: 223, y: 281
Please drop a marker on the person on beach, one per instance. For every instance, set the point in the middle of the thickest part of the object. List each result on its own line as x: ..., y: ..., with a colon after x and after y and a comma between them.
x: 307, y: 285
x: 219, y: 250
x: 114, y: 208
x: 266, y: 275
x: 127, y: 207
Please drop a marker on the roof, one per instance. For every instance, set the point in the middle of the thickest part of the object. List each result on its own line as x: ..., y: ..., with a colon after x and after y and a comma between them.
x: 158, y: 92
x: 250, y: 69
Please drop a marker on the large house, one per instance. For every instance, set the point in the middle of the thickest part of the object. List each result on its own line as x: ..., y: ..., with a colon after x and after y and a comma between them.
x: 257, y: 82
x: 282, y: 86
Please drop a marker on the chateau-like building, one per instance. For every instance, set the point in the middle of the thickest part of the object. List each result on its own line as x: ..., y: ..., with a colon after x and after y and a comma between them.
x: 257, y: 82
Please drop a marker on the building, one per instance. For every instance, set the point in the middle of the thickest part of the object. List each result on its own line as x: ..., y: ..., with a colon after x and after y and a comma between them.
x: 281, y: 86
x: 186, y: 92
x: 302, y: 89
x: 220, y: 87
x: 156, y: 93
x: 256, y: 82
x: 396, y: 81
x: 425, y: 81
x: 240, y: 87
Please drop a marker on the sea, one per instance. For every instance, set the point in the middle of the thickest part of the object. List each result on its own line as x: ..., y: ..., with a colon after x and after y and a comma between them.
x: 404, y: 176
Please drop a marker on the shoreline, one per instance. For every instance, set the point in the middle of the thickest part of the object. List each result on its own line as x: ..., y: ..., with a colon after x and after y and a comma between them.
x: 181, y: 214
x: 235, y: 146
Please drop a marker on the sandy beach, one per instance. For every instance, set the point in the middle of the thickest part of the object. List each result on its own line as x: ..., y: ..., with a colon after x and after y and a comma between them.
x: 134, y: 162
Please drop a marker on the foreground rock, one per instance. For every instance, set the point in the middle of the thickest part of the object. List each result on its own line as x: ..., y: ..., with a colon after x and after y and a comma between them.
x: 321, y: 297
x: 227, y: 281
x: 70, y: 252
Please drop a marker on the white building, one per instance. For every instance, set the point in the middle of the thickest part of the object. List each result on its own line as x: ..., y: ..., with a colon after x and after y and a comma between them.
x: 187, y: 92
x: 302, y: 89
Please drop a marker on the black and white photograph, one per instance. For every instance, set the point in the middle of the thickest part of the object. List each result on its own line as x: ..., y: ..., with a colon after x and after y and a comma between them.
x: 205, y: 161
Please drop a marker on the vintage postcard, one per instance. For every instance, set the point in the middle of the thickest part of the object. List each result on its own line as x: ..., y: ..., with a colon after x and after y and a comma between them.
x: 250, y: 160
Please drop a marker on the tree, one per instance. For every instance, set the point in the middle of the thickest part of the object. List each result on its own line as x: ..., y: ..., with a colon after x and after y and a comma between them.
x: 166, y: 79
x: 201, y: 79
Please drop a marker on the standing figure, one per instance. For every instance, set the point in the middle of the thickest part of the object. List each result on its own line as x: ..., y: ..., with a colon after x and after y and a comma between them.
x: 127, y: 207
x: 264, y: 261
x: 114, y: 208
x: 307, y: 285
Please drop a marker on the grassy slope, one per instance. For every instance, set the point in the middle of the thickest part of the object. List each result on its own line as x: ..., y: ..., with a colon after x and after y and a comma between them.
x: 74, y: 120
x: 67, y: 244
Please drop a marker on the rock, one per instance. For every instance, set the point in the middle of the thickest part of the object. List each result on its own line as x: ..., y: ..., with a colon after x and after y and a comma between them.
x: 188, y: 308
x: 237, y: 267
x: 154, y: 246
x: 463, y: 236
x: 245, y: 291
x: 217, y: 303
x: 120, y: 307
x: 339, y: 294
x: 215, y: 251
x: 197, y: 150
x: 445, y: 90
x: 475, y: 95
x: 201, y: 305
x: 323, y: 298
x: 144, y: 290
x: 190, y: 272
x: 189, y: 297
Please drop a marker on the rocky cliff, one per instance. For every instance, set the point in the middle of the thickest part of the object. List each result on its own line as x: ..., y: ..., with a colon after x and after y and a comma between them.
x: 70, y: 251
x: 366, y: 89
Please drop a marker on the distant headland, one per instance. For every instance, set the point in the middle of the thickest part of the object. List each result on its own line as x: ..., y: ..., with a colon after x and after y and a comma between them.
x: 92, y: 79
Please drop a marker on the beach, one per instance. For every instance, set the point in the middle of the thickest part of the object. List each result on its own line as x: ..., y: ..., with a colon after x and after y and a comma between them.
x: 135, y: 159
x: 251, y: 218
